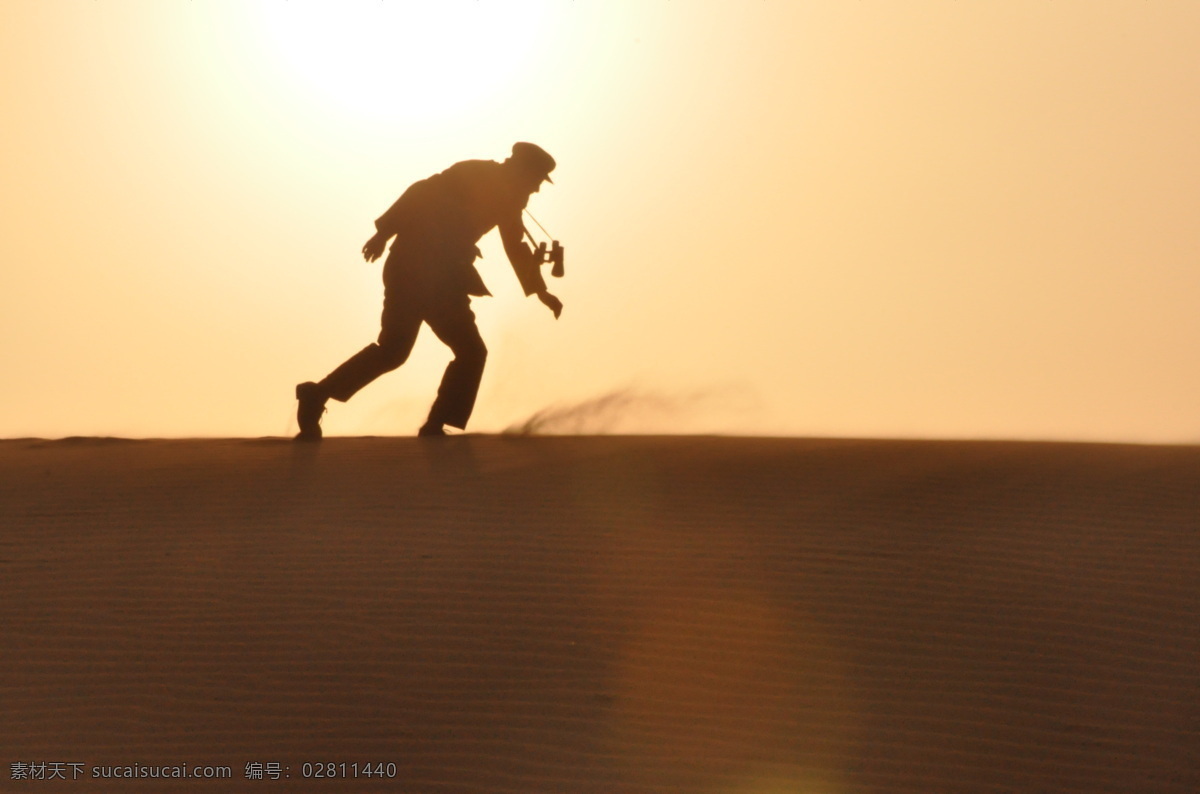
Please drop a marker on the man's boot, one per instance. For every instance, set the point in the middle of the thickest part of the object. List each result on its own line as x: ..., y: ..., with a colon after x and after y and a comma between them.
x: 431, y: 429
x: 308, y: 413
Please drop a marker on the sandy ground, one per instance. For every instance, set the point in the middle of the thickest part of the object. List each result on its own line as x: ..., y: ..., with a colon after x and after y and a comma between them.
x: 601, y: 614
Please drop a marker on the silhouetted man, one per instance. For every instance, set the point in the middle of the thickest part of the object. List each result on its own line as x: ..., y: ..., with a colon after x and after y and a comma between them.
x: 430, y: 277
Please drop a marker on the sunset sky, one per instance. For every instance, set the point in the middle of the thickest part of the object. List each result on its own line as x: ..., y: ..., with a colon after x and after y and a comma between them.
x: 935, y: 218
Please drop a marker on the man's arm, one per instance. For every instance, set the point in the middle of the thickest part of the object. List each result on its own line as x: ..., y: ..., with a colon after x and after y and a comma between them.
x: 521, y: 257
x: 385, y: 227
x: 373, y: 249
x: 400, y: 215
x: 525, y: 265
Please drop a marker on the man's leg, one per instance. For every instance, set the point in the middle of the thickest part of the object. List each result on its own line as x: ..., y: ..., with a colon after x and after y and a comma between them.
x: 454, y: 323
x: 400, y: 323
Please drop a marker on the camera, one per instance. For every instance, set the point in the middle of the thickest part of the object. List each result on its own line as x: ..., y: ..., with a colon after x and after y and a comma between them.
x: 554, y: 255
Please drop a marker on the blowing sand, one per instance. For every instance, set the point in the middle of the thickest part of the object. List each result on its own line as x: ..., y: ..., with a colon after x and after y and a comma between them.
x: 601, y: 614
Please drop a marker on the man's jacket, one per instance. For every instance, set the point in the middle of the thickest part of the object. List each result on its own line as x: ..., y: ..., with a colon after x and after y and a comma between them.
x: 438, y: 221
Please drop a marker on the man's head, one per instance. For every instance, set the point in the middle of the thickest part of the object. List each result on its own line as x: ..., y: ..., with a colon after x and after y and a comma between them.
x: 532, y: 163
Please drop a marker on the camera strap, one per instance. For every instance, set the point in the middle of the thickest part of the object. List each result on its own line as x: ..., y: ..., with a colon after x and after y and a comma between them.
x: 539, y: 225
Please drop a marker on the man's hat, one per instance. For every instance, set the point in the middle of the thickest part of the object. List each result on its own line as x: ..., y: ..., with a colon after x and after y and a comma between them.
x: 534, y: 159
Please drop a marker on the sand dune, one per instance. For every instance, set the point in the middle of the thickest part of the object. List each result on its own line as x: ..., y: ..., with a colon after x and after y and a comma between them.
x: 602, y: 614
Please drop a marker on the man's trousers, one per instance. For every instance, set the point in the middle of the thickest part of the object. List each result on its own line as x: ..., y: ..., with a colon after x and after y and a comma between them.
x: 448, y: 313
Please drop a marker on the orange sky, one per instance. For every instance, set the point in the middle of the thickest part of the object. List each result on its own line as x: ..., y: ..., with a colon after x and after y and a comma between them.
x: 928, y: 219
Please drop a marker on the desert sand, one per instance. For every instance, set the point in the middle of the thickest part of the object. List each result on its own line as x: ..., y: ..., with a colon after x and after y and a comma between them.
x: 601, y: 614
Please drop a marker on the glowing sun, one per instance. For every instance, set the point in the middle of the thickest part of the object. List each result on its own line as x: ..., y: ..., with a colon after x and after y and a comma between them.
x: 403, y: 58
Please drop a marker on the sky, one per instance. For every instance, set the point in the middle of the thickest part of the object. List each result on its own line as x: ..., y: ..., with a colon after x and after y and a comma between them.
x: 930, y: 219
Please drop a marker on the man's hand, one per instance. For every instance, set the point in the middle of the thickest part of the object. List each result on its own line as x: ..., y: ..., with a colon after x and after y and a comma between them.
x: 374, y: 247
x: 553, y: 303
